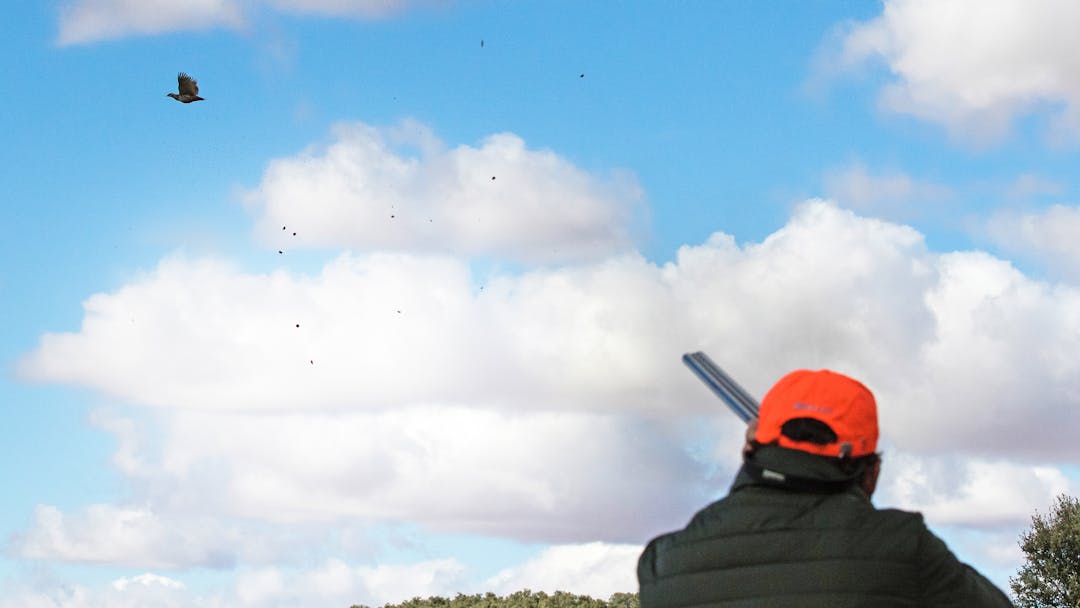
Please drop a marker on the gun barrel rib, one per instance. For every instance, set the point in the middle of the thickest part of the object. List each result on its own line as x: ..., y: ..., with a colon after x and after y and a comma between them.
x: 725, y: 387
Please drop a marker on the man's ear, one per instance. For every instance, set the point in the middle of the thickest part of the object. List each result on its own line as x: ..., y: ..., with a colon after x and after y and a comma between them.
x: 870, y: 477
x: 750, y: 445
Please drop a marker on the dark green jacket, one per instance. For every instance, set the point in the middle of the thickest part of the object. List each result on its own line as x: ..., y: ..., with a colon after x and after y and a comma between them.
x: 768, y: 545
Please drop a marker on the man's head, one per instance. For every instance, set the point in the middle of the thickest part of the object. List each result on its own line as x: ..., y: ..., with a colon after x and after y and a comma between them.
x: 823, y: 413
x: 820, y: 412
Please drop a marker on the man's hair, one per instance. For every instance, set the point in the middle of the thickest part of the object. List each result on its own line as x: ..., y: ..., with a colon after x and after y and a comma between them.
x: 811, y: 430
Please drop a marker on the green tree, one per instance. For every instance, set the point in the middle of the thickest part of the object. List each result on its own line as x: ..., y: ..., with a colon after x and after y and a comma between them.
x: 1051, y: 576
x: 520, y: 599
x: 624, y: 600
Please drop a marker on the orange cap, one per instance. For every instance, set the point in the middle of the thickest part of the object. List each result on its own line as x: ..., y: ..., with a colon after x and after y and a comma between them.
x: 841, y: 402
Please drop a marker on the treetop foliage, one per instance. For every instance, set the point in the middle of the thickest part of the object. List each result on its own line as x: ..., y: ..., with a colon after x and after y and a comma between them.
x: 1051, y: 576
x: 520, y: 599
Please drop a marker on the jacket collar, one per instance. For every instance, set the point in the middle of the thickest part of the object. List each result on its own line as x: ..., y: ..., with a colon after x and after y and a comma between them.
x: 794, y: 470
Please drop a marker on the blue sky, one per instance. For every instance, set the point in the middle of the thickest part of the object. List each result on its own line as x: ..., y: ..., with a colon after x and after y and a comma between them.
x: 511, y: 218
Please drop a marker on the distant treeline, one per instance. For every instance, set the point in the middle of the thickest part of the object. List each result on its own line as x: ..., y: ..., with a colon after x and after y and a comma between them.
x: 520, y: 599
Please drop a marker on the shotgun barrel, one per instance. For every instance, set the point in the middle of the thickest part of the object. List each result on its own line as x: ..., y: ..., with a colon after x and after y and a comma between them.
x: 725, y: 387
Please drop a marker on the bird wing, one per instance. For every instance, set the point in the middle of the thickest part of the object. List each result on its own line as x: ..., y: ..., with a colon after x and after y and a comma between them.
x: 188, y: 85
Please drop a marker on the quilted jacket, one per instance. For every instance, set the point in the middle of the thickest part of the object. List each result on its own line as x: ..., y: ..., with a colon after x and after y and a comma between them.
x: 767, y: 544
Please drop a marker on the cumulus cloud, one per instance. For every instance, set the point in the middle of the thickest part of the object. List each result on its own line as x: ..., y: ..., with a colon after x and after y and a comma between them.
x: 973, y: 68
x: 347, y: 8
x: 975, y: 493
x: 964, y: 335
x: 1030, y: 185
x: 890, y: 194
x: 375, y: 332
x: 531, y: 408
x: 551, y: 405
x: 979, y: 506
x: 137, y: 537
x: 389, y: 583
x: 400, y: 189
x: 594, y: 569
x: 92, y: 538
x: 147, y: 579
x: 331, y: 582
x: 87, y: 21
x: 138, y: 591
x: 1048, y: 236
x: 540, y: 477
x: 385, y: 331
x: 335, y: 582
x: 998, y: 366
x: 83, y: 21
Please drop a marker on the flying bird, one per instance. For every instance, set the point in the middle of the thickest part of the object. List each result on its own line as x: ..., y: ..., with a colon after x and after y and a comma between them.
x: 189, y: 89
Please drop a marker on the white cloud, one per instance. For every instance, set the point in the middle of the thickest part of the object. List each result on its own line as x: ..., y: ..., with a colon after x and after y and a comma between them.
x: 180, y: 533
x: 83, y: 21
x: 336, y: 582
x: 331, y: 582
x: 1029, y: 185
x: 107, y: 534
x: 371, y: 333
x: 974, y: 67
x: 147, y: 579
x: 999, y: 364
x: 891, y: 194
x: 539, y: 476
x: 975, y: 493
x: 979, y: 506
x: 357, y: 8
x: 389, y: 583
x: 259, y: 587
x: 141, y: 591
x: 87, y: 21
x: 400, y: 189
x: 594, y: 569
x: 1049, y: 236
x: 530, y: 408
x: 598, y: 337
